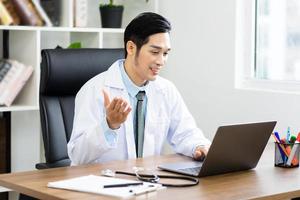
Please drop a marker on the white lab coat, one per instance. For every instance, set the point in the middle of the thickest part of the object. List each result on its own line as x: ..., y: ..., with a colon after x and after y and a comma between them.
x: 167, y: 118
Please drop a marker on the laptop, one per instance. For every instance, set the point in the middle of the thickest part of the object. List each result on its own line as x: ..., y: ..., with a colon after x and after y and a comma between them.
x: 234, y: 148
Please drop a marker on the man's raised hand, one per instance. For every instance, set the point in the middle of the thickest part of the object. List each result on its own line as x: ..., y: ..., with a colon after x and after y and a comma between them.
x: 117, y: 110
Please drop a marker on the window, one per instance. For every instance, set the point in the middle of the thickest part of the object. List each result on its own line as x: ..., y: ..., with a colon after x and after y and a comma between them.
x: 267, y: 53
x: 277, y: 41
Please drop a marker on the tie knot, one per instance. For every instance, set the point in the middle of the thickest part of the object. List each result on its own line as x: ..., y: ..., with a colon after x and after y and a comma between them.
x: 140, y: 95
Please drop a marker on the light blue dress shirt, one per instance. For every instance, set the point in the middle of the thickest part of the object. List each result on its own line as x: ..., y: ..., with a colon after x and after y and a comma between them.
x: 132, y: 89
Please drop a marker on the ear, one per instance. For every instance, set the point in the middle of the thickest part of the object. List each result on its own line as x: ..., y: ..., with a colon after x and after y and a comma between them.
x: 130, y: 48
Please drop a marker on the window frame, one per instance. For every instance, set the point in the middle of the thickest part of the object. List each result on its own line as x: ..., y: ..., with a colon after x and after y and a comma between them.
x: 245, y: 46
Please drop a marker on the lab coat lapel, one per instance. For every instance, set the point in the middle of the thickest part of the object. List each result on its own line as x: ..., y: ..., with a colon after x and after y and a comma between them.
x: 129, y: 133
x: 117, y: 89
x: 154, y: 96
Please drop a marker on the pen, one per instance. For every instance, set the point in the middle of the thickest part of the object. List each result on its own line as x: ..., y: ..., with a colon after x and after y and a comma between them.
x: 122, y: 185
x: 287, y: 147
x: 293, y: 139
x: 280, y: 150
x: 150, y: 188
x: 281, y: 145
x: 292, y: 159
x: 288, y: 133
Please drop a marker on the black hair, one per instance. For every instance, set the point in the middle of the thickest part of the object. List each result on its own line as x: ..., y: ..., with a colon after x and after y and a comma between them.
x: 143, y: 26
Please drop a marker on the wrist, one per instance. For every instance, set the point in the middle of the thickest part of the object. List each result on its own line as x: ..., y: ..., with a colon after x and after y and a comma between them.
x: 112, y: 126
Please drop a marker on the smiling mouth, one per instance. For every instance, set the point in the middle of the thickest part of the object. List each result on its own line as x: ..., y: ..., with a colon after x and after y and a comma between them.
x: 155, y: 71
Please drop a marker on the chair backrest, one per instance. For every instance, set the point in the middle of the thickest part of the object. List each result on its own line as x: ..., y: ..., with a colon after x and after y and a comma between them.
x: 63, y: 72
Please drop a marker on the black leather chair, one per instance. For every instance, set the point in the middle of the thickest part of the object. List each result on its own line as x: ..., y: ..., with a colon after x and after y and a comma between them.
x: 63, y: 72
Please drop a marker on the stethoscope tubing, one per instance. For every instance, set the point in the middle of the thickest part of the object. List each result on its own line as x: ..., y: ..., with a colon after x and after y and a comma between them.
x: 156, y: 178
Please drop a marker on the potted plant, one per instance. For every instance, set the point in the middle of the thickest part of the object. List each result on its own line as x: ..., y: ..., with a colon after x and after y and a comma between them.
x: 111, y: 15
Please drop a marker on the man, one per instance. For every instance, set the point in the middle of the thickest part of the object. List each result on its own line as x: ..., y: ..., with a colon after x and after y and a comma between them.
x: 110, y: 123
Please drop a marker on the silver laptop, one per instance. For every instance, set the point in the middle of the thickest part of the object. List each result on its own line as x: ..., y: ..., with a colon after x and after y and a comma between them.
x: 234, y: 148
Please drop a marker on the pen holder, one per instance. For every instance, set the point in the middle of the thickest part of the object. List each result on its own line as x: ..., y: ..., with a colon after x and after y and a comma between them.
x: 287, y: 155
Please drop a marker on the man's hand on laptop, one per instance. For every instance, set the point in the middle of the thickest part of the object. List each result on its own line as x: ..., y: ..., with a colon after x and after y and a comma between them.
x: 200, y: 152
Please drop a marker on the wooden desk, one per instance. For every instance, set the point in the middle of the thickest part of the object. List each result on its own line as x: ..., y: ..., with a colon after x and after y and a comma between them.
x: 264, y: 182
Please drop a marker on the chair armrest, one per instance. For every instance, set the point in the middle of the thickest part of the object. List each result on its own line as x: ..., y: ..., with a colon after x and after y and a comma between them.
x: 61, y: 163
x: 41, y: 166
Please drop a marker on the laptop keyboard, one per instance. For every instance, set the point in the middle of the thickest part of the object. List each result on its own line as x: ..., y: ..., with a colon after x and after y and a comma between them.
x: 192, y: 170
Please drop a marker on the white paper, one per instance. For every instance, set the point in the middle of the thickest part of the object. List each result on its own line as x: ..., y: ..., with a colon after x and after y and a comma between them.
x: 94, y: 184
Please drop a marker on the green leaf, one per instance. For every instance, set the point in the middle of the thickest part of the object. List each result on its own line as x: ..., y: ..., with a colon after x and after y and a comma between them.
x: 75, y: 45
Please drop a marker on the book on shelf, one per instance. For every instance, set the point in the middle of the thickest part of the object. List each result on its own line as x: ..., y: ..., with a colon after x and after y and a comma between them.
x: 81, y: 12
x: 5, y: 17
x: 12, y: 11
x: 31, y: 13
x: 42, y: 13
x: 4, y: 68
x: 14, y: 75
x: 53, y: 10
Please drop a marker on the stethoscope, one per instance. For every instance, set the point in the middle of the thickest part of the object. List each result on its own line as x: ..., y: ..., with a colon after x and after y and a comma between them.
x: 154, y: 178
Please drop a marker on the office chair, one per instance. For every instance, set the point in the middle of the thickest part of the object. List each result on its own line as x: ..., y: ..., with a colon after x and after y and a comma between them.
x: 63, y: 72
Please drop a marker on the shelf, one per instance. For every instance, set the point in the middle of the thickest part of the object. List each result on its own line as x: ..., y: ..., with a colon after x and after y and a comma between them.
x: 66, y: 29
x: 27, y: 42
x: 25, y: 46
x: 18, y: 108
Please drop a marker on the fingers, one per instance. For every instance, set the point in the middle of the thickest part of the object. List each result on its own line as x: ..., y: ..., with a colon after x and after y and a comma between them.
x: 123, y: 107
x: 116, y: 104
x: 112, y: 105
x: 127, y: 111
x: 201, y: 152
x: 197, y: 155
x: 118, y: 109
x: 119, y: 104
x: 205, y: 150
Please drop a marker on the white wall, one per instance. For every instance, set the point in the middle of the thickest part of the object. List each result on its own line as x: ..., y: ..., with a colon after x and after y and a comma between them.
x: 202, y: 66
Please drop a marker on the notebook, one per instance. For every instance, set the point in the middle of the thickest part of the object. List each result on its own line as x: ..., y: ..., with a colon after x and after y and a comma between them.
x: 234, y: 148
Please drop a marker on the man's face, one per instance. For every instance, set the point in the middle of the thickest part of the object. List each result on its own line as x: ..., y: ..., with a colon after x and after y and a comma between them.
x: 151, y: 58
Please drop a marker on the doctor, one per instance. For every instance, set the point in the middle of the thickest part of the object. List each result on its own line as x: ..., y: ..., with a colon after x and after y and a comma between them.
x: 105, y: 121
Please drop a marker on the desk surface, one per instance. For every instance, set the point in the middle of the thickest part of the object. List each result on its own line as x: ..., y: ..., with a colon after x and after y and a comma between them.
x: 264, y: 182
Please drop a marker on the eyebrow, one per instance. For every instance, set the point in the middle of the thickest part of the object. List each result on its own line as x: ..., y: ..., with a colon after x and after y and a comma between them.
x: 158, y: 47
